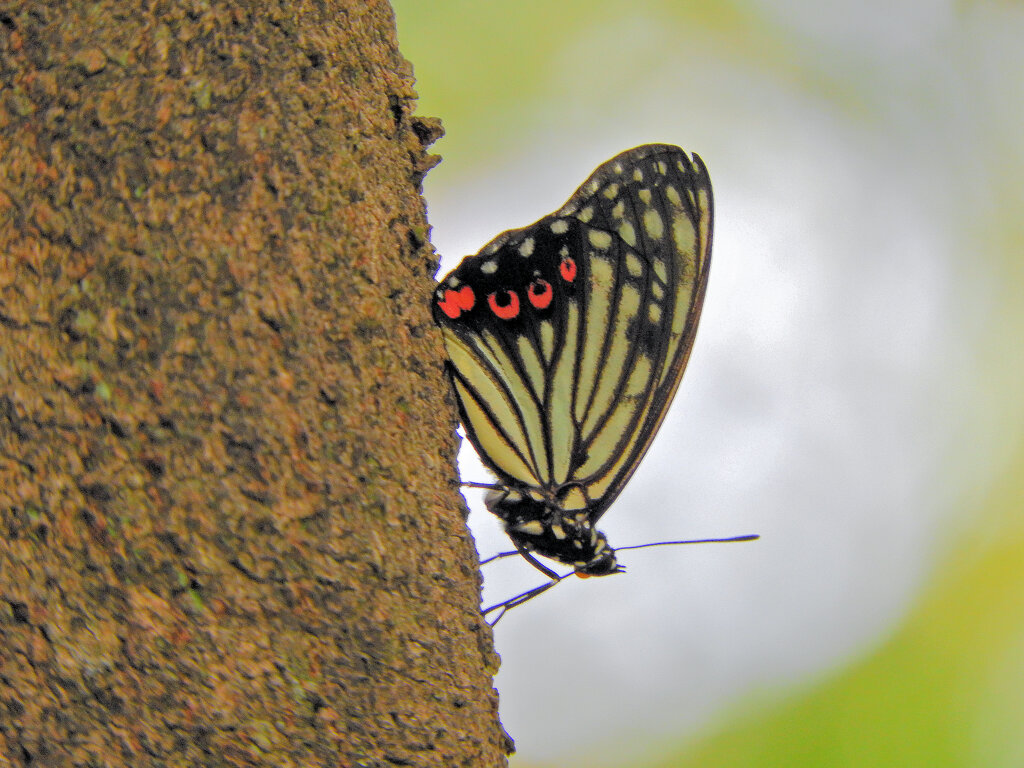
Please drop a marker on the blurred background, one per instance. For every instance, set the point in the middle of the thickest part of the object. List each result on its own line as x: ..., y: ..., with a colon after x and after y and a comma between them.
x: 854, y: 394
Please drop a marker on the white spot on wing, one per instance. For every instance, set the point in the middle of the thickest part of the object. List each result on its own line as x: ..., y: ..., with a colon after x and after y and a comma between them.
x: 627, y: 233
x: 660, y: 271
x: 526, y: 247
x: 600, y: 239
x: 560, y: 226
x: 489, y: 267
x: 634, y: 266
x: 530, y: 527
x: 683, y: 236
x: 653, y: 224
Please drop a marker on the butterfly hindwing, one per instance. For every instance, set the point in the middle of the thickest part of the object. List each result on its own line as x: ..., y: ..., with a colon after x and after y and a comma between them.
x: 567, y: 339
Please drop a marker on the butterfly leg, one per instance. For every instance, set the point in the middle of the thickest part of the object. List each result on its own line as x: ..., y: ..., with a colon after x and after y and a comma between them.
x: 505, y: 606
x: 529, y: 594
x: 499, y: 556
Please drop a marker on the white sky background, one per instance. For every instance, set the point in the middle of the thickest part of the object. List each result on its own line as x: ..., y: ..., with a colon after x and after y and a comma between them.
x: 829, y: 377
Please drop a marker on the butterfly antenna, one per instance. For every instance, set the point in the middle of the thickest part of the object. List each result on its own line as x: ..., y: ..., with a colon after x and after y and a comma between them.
x: 506, y: 605
x: 749, y: 537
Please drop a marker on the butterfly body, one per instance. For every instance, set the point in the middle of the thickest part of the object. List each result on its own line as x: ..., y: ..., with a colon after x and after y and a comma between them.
x: 567, y: 340
x: 547, y: 528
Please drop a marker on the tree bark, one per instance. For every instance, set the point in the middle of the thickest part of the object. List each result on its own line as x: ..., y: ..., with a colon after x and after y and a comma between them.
x: 230, y: 530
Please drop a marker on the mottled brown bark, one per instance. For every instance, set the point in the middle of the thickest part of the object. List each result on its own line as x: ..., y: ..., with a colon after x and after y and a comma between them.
x: 228, y: 529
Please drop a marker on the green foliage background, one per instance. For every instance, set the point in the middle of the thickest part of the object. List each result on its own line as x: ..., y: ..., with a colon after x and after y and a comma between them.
x: 947, y: 687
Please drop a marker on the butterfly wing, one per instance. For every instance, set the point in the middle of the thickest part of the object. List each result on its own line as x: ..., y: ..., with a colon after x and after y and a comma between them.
x: 567, y: 339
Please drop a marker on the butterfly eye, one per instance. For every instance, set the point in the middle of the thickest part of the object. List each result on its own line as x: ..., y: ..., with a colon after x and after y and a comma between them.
x: 567, y: 269
x: 507, y: 306
x: 540, y: 293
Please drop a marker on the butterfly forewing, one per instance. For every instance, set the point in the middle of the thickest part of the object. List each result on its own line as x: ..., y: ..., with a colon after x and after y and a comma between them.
x: 567, y: 339
x: 660, y: 207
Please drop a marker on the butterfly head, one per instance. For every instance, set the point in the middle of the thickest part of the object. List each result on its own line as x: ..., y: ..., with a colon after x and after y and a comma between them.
x: 548, y: 530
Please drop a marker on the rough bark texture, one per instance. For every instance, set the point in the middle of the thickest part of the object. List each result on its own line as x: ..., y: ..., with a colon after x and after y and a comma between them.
x: 228, y: 529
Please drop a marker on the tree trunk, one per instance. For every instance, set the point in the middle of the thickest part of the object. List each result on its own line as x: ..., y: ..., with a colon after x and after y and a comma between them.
x: 230, y: 534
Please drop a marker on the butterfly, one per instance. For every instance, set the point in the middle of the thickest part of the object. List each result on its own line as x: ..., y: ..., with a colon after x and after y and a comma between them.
x: 566, y: 342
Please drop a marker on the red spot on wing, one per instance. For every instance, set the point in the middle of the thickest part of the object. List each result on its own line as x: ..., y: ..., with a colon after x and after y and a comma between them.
x: 465, y: 298
x: 540, y: 293
x: 455, y: 302
x: 449, y: 308
x: 509, y: 309
x: 567, y: 269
